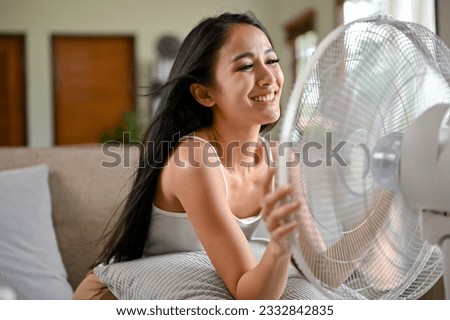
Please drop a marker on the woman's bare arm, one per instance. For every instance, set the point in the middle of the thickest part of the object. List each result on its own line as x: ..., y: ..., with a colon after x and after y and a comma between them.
x: 201, y: 191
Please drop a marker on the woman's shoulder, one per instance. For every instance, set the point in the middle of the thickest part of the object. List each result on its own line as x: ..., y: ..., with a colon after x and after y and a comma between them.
x: 193, y: 153
x: 196, y: 151
x: 192, y: 165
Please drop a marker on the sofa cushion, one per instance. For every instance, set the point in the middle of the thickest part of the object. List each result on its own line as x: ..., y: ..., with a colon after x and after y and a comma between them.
x: 30, y: 261
x: 184, y: 276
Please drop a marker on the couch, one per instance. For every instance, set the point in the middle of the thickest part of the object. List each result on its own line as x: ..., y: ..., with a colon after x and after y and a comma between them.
x: 87, y: 183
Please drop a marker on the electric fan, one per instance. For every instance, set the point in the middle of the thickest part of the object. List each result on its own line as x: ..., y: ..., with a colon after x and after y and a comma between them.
x: 365, y: 141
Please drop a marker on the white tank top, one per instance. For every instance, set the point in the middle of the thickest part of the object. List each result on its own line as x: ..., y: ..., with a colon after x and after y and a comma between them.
x: 173, y: 231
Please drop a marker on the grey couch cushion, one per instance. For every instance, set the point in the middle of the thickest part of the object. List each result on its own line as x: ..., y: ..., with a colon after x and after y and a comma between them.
x: 30, y: 261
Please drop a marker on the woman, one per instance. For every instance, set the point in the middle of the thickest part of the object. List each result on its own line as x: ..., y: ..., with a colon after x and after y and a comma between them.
x: 207, y: 174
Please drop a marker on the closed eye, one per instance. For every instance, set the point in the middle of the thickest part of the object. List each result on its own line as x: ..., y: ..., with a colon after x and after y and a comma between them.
x: 249, y: 66
x: 245, y: 67
x: 273, y: 61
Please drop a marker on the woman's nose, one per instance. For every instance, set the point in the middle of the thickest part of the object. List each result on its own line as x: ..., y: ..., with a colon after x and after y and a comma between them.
x: 265, y: 77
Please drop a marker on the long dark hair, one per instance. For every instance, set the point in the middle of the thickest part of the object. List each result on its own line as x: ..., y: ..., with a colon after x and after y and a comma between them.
x: 178, y: 114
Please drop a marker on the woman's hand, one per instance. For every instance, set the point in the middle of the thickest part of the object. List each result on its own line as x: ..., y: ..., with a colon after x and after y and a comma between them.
x: 277, y: 212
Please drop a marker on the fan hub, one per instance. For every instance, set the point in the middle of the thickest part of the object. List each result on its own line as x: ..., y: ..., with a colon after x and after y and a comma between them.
x: 356, y: 154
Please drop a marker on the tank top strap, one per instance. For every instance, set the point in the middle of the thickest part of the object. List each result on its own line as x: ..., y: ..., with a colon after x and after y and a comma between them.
x: 216, y: 154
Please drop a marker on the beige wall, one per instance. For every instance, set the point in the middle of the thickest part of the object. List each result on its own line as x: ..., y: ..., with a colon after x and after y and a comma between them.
x: 443, y: 21
x: 145, y: 19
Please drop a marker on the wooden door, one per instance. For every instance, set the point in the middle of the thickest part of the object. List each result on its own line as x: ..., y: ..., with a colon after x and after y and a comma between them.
x: 93, y: 86
x: 12, y: 91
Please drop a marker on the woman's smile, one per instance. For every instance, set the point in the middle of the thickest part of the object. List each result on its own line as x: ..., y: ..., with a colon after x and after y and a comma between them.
x: 270, y: 97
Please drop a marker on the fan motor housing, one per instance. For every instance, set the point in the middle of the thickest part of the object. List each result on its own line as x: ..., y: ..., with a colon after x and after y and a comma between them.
x: 425, y: 161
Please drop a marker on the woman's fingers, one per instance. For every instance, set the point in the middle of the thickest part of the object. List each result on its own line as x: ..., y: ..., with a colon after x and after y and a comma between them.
x: 285, y: 229
x: 272, y: 198
x: 276, y: 211
x: 281, y: 214
x: 280, y: 237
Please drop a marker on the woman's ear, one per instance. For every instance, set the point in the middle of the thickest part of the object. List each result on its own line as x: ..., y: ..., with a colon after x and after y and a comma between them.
x: 202, y: 94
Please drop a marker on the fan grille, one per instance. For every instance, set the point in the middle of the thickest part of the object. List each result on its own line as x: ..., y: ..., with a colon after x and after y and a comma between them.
x: 365, y: 85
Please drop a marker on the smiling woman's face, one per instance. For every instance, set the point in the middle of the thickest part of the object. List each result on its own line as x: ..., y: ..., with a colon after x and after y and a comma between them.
x: 247, y: 79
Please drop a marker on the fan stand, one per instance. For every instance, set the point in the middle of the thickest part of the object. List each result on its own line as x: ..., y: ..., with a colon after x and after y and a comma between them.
x: 436, y: 230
